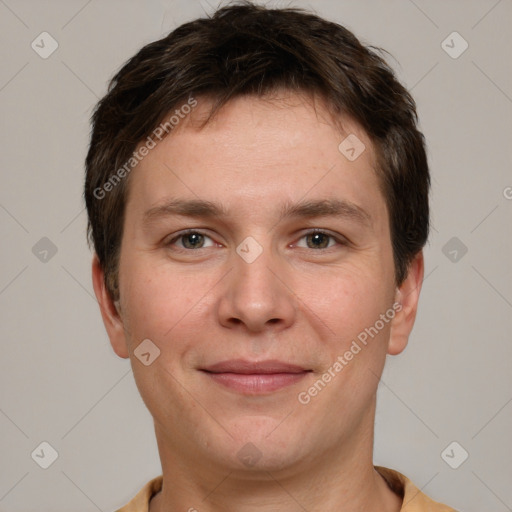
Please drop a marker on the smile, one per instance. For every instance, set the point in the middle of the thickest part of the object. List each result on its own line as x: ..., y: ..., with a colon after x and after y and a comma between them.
x: 255, y: 378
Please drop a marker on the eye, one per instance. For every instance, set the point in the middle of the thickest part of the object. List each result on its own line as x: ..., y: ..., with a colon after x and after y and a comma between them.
x: 191, y: 240
x: 318, y: 239
x: 194, y: 239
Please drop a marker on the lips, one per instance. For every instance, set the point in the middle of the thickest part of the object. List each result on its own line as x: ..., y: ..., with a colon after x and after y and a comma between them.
x: 255, y: 377
x: 246, y: 367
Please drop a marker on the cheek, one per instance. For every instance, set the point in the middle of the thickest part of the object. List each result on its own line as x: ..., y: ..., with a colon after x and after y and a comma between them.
x: 164, y: 304
x: 151, y: 302
x: 348, y: 301
x: 353, y: 340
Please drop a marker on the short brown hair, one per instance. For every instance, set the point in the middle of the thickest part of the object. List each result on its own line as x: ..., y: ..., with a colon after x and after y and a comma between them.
x: 245, y: 49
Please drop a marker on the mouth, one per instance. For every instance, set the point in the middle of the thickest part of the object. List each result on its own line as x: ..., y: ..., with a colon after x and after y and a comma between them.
x: 255, y: 378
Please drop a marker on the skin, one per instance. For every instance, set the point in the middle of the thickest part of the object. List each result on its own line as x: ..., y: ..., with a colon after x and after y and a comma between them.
x: 296, y: 303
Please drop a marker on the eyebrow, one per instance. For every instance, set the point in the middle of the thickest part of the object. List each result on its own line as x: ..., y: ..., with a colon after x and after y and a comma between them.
x: 199, y: 208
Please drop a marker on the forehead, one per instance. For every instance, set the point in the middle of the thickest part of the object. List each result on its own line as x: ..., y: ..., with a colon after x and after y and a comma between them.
x: 285, y: 146
x: 284, y: 118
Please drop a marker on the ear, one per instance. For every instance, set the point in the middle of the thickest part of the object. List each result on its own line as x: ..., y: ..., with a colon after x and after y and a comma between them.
x: 109, y: 312
x: 407, y: 295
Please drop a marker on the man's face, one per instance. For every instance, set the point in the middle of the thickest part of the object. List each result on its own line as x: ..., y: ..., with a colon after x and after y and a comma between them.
x: 253, y: 288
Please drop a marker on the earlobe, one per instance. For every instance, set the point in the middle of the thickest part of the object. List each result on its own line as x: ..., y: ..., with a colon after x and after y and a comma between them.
x: 407, y: 296
x: 110, y: 311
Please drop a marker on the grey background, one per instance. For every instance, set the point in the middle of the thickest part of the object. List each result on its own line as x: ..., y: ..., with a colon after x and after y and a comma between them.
x: 60, y: 381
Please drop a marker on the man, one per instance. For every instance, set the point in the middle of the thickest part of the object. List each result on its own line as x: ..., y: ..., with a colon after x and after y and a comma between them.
x: 257, y: 192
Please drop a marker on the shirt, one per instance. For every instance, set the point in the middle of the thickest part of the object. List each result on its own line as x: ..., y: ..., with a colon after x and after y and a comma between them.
x: 413, y: 500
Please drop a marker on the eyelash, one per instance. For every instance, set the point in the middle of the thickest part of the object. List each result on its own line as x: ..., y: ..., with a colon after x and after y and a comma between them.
x: 339, y: 239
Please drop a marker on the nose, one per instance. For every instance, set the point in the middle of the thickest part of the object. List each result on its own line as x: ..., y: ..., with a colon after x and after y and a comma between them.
x: 255, y: 296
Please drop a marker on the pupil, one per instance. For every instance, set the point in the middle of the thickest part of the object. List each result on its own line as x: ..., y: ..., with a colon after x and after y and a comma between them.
x: 193, y: 240
x: 319, y: 237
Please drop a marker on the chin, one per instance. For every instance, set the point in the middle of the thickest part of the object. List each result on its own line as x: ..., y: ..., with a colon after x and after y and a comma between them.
x: 261, y: 444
